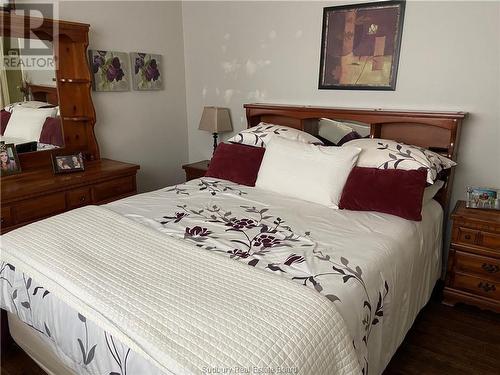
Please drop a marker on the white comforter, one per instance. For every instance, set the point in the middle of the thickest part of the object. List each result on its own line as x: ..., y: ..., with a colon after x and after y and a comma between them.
x: 199, y: 310
x: 378, y: 270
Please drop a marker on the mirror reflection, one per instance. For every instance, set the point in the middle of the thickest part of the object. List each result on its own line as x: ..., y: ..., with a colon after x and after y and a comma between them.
x: 29, y: 103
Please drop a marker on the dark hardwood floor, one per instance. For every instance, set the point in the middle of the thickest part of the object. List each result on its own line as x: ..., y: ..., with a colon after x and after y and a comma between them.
x: 443, y: 340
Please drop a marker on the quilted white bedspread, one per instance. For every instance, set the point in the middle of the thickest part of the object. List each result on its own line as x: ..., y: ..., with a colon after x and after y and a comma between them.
x: 187, y: 310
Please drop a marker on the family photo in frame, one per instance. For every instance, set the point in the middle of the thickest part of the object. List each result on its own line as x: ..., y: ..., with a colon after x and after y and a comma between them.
x: 481, y: 197
x: 9, y: 161
x: 68, y: 163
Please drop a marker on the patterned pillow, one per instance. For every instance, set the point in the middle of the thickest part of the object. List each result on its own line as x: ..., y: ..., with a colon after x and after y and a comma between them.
x: 260, y: 135
x: 387, y: 154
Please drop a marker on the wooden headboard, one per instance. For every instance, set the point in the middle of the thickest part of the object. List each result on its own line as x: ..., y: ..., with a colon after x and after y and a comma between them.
x: 437, y: 131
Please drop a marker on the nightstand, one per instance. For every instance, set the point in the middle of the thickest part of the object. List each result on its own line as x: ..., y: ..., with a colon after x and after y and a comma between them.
x: 474, y: 259
x: 196, y: 170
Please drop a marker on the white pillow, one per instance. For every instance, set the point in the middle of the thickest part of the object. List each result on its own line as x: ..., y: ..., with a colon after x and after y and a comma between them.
x: 305, y: 171
x: 27, y: 123
x: 261, y: 134
x: 387, y: 154
x: 431, y: 191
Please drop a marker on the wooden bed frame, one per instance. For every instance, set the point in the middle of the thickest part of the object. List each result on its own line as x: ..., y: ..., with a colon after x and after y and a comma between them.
x: 437, y: 131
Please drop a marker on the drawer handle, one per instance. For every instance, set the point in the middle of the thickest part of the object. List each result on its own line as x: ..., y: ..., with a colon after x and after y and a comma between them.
x: 83, y: 198
x: 487, y: 287
x: 467, y: 237
x: 490, y: 268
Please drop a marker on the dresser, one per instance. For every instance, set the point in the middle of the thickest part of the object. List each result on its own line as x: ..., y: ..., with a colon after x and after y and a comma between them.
x: 32, y: 196
x: 473, y: 275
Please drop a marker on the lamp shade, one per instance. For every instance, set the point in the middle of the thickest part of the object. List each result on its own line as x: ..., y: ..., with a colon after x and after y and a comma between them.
x: 215, y: 120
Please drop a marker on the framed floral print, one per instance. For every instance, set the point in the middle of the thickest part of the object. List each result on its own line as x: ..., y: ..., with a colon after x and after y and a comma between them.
x: 146, y: 74
x: 110, y: 70
x: 360, y: 46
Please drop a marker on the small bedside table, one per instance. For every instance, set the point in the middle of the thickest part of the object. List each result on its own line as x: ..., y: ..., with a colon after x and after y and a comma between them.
x: 196, y: 170
x: 473, y: 275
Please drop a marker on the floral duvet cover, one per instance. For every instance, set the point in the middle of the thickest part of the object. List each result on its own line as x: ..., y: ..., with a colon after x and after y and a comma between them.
x: 379, y: 270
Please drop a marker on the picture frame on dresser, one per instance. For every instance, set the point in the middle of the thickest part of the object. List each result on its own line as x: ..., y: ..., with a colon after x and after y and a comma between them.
x: 483, y: 197
x: 9, y: 160
x: 68, y: 163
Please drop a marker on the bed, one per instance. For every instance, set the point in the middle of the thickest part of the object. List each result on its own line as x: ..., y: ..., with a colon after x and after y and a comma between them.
x: 369, y: 273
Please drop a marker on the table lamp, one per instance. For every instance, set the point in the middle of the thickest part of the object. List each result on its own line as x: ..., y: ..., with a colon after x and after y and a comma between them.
x: 215, y: 120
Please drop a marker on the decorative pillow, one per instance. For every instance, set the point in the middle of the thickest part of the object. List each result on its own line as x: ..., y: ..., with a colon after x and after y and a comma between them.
x: 52, y: 132
x: 336, y: 132
x: 391, y: 191
x: 26, y: 123
x: 4, y: 119
x: 237, y: 163
x: 261, y: 134
x: 387, y: 154
x: 431, y: 191
x: 305, y: 171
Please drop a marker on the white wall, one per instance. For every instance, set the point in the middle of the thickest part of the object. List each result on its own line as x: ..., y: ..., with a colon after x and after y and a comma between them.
x: 147, y: 128
x: 241, y: 52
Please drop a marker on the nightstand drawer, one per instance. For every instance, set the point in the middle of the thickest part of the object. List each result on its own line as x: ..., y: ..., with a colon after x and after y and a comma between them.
x: 468, y: 236
x: 489, y: 240
x: 476, y: 285
x: 488, y: 268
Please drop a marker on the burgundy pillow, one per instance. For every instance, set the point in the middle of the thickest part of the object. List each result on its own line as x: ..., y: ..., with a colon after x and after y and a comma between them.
x: 391, y: 191
x: 52, y: 132
x: 236, y: 162
x: 4, y: 119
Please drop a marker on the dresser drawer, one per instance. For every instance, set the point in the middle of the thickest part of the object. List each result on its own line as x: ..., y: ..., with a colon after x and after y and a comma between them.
x: 6, y: 219
x: 78, y: 197
x: 476, y: 285
x: 488, y: 268
x: 114, y: 188
x: 40, y: 207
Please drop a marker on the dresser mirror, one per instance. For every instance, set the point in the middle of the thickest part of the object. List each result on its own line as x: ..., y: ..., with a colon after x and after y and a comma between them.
x: 30, y: 115
x: 49, y: 96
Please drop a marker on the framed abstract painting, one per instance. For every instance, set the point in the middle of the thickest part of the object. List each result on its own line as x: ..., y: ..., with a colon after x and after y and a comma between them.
x: 360, y: 46
x: 146, y: 74
x: 110, y: 70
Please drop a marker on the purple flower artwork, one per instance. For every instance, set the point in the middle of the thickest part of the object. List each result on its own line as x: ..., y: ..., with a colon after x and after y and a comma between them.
x: 146, y: 72
x: 110, y: 70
